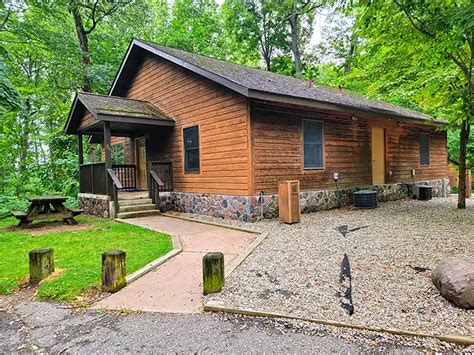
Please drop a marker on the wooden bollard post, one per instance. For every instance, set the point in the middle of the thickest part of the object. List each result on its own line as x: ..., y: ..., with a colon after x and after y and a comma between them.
x: 114, y: 270
x: 212, y: 272
x: 41, y: 264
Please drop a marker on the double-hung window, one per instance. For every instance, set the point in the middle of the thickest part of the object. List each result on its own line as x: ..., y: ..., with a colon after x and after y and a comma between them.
x: 424, y: 148
x: 313, y: 144
x: 191, y: 149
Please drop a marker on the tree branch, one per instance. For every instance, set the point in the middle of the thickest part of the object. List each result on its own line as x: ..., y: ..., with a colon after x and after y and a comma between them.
x: 421, y: 27
x: 5, y: 20
x: 96, y: 17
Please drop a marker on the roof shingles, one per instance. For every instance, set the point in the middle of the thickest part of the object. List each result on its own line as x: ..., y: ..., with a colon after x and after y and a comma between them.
x: 120, y: 106
x: 273, y: 83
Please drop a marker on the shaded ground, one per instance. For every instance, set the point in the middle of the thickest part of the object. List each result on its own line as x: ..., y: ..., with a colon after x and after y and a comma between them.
x: 45, y: 227
x: 52, y: 328
x: 55, y: 227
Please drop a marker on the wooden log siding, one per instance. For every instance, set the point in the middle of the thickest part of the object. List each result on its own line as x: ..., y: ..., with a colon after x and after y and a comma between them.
x: 403, y: 153
x: 87, y: 119
x: 243, y: 156
x: 223, y: 126
x: 278, y: 150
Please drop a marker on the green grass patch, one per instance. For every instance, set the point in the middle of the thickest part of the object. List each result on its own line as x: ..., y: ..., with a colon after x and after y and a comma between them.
x: 78, y: 253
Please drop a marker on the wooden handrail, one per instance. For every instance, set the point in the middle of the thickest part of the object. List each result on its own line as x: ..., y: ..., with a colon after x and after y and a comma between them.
x: 89, y: 164
x: 156, y: 184
x: 115, y: 179
x: 159, y: 161
x: 123, y: 165
x: 164, y: 170
x: 156, y: 178
x: 116, y: 184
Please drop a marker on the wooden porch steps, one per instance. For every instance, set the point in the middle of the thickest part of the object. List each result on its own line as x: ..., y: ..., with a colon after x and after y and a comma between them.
x: 133, y: 202
x: 137, y: 214
x: 135, y: 208
x: 141, y: 206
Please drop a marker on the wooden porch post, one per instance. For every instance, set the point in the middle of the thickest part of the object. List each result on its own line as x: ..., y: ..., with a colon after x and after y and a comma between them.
x: 80, y: 149
x: 108, y: 157
x: 80, y: 154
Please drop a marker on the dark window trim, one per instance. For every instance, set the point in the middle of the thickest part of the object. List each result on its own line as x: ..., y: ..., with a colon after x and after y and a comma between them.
x: 198, y: 148
x: 429, y: 148
x: 322, y: 167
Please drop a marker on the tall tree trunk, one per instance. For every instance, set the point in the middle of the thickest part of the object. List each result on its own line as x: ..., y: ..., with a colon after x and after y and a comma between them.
x: 464, y: 138
x: 266, y: 52
x: 24, y: 143
x: 295, y: 48
x: 84, y: 45
x: 265, y: 47
x: 86, y: 62
x: 350, y: 56
x: 464, y: 135
x: 25, y: 135
x: 268, y: 62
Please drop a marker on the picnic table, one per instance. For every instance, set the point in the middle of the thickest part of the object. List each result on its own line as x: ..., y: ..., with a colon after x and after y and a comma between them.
x: 47, y: 207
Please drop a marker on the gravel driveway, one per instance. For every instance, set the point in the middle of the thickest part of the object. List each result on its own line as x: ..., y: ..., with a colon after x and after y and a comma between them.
x: 296, y: 269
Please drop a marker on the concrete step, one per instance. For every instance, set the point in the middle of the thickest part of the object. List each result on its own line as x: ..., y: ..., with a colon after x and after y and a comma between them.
x: 137, y: 214
x: 134, y: 208
x: 138, y: 201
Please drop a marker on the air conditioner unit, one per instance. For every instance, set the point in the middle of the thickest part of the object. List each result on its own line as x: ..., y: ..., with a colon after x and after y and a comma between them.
x: 425, y: 192
x: 365, y: 199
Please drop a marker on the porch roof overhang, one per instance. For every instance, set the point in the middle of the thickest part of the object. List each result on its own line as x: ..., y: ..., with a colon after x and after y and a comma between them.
x: 127, y: 117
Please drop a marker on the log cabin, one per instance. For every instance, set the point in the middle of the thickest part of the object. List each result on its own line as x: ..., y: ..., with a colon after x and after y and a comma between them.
x: 190, y: 133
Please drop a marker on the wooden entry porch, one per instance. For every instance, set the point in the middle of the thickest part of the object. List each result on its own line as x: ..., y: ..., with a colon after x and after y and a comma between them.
x: 120, y: 181
x: 92, y: 176
x: 102, y: 117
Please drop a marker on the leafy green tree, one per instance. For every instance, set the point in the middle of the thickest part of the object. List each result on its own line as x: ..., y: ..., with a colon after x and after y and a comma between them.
x: 41, y: 69
x: 258, y: 24
x: 277, y: 28
x: 87, y: 14
x: 195, y: 27
x: 34, y: 71
x: 430, y: 45
x: 340, y: 43
x: 300, y: 16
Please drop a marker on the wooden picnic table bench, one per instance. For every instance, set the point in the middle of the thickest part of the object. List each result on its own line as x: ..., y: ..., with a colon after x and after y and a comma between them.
x: 44, y: 208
